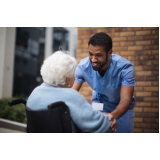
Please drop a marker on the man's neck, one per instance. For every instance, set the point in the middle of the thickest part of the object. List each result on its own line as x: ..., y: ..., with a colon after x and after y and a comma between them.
x: 104, y: 69
x: 102, y: 72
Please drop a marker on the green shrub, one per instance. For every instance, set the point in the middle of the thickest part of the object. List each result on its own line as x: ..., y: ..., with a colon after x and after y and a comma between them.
x: 14, y: 113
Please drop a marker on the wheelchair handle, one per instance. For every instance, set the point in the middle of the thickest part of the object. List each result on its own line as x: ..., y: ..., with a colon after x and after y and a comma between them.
x: 16, y: 101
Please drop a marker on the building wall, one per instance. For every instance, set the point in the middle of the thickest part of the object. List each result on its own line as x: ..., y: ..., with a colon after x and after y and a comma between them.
x: 140, y: 45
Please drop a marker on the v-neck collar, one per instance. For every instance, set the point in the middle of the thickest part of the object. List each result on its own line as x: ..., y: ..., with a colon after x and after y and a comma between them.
x: 99, y: 76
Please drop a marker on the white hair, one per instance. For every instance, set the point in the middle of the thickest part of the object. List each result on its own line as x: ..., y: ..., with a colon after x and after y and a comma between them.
x: 57, y: 67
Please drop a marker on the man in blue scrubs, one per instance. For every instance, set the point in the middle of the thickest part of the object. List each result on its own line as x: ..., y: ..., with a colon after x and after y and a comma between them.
x: 112, y: 79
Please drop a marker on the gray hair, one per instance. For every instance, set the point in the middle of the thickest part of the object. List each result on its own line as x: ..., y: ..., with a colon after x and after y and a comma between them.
x: 57, y: 67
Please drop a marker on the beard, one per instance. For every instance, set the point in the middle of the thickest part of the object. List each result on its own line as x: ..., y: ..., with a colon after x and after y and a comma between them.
x: 100, y: 65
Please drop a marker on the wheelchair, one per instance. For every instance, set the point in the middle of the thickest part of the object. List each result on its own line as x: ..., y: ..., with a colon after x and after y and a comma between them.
x: 56, y: 119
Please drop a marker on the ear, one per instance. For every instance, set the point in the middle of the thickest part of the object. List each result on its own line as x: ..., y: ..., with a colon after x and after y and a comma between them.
x: 67, y: 80
x: 109, y: 52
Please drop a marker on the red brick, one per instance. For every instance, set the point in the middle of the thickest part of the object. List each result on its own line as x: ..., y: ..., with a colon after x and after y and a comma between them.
x: 127, y: 53
x: 139, y: 99
x: 143, y: 42
x: 155, y: 73
x: 155, y: 41
x: 155, y: 51
x: 155, y: 32
x: 115, y: 44
x: 151, y: 110
x: 138, y: 109
x: 123, y: 34
x: 127, y: 43
x: 143, y: 104
x: 80, y: 41
x: 156, y: 126
x: 148, y: 28
x: 118, y: 29
x: 138, y: 68
x: 151, y: 130
x: 143, y: 83
x: 151, y: 120
x: 137, y: 88
x: 151, y: 99
x: 151, y: 57
x: 155, y: 104
x: 143, y: 32
x: 84, y: 36
x: 80, y: 32
x: 119, y: 48
x: 143, y: 115
x: 143, y: 125
x: 155, y: 83
x: 134, y: 28
x: 143, y: 63
x: 151, y: 78
x: 85, y: 93
x: 135, y: 47
x: 133, y: 38
x: 139, y: 78
x: 137, y: 130
x: 156, y: 115
x: 79, y: 51
x: 151, y: 88
x: 151, y: 68
x: 106, y: 30
x: 143, y: 73
x: 82, y: 45
x: 135, y: 58
x: 116, y: 34
x: 82, y: 55
x: 151, y: 47
x: 156, y: 62
x: 138, y: 119
x: 90, y: 31
x: 143, y: 94
x: 143, y: 52
x: 149, y: 37
x: 84, y: 28
x: 119, y: 39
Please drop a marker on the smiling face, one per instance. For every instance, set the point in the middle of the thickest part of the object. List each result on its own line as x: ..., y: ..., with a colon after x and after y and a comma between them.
x: 98, y: 57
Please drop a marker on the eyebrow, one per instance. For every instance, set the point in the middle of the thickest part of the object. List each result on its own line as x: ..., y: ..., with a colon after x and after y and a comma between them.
x: 96, y: 53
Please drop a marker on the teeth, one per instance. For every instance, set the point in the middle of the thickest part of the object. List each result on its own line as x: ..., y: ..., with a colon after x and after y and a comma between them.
x: 94, y: 64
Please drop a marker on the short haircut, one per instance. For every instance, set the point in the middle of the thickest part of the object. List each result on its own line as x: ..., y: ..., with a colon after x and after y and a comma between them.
x: 101, y: 39
x: 57, y: 67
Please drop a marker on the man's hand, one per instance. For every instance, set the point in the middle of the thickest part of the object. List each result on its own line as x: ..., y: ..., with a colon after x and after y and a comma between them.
x: 111, y: 118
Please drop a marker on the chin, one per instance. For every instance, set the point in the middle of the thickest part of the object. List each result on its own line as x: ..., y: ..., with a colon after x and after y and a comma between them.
x: 94, y: 68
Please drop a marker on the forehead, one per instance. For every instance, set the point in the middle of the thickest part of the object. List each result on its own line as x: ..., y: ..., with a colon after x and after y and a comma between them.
x: 96, y: 49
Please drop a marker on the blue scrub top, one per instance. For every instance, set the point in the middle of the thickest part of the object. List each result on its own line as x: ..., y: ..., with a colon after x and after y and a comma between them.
x: 121, y: 72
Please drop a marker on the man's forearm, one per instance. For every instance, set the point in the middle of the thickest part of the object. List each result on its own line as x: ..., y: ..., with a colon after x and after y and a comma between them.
x: 122, y: 108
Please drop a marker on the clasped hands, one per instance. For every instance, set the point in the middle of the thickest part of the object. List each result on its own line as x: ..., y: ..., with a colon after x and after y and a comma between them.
x: 111, y: 118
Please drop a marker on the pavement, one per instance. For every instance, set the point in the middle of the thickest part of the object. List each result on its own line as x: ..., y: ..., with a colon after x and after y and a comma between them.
x: 8, y: 126
x: 5, y: 130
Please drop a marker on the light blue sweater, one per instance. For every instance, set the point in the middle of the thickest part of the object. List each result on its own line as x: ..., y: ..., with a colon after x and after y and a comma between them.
x: 81, y: 112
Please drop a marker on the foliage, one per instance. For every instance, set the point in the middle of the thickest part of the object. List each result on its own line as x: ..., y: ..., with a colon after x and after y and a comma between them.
x: 14, y: 113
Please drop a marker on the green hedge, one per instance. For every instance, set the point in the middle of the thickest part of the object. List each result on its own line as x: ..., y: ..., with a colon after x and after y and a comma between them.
x: 14, y: 113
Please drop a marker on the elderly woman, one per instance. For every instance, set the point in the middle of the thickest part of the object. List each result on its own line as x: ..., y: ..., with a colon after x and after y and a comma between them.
x: 58, y: 75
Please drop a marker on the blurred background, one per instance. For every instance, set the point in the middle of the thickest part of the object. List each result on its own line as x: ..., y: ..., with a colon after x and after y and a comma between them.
x: 22, y: 51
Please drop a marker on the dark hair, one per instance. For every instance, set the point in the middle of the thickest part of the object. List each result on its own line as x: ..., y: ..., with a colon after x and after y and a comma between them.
x: 101, y: 39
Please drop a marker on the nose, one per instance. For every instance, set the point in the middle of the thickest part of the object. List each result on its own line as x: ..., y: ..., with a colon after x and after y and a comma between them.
x: 94, y: 59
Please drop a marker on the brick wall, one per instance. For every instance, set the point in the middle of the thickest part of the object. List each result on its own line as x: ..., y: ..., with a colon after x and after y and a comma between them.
x: 140, y: 45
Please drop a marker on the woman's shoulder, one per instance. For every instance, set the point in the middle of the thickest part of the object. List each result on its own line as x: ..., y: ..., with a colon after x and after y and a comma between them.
x: 72, y: 93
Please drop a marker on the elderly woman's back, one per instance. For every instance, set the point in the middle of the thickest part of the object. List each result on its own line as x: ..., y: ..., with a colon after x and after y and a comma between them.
x: 58, y: 76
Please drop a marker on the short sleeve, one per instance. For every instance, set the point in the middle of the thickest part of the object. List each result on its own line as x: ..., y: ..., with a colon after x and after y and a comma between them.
x: 79, y: 75
x: 128, y: 77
